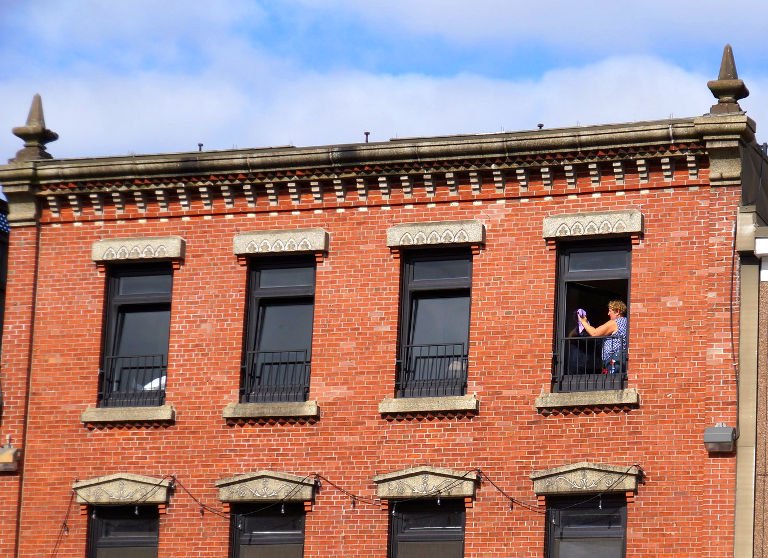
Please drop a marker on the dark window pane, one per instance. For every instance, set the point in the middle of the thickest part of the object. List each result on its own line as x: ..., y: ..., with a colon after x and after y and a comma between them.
x: 589, y: 548
x: 597, y: 260
x: 142, y: 331
x: 272, y: 551
x: 145, y: 284
x: 286, y: 277
x: 441, y: 269
x: 126, y: 552
x: 440, y: 319
x: 285, y: 326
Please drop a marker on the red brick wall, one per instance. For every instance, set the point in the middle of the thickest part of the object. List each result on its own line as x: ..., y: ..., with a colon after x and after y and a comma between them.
x: 681, y: 363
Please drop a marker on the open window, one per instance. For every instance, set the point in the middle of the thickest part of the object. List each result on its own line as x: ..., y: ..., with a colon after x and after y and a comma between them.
x: 434, y: 323
x: 136, y: 331
x: 590, y: 275
x: 278, y: 338
x: 427, y: 528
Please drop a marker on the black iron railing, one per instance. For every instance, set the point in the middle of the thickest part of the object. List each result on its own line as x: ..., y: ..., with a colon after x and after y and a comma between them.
x: 579, y: 365
x: 276, y: 376
x: 432, y: 370
x: 133, y: 381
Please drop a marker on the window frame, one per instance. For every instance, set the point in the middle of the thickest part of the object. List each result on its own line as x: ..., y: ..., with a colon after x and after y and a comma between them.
x: 257, y: 297
x: 398, y: 531
x: 605, y: 505
x: 562, y: 380
x: 98, y: 539
x: 293, y: 511
x: 412, y: 290
x: 117, y: 305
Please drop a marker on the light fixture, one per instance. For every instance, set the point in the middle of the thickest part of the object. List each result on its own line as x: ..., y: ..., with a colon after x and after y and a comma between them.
x: 720, y: 438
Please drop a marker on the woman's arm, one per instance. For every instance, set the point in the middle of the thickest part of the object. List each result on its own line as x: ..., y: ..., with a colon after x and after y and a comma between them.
x: 608, y: 328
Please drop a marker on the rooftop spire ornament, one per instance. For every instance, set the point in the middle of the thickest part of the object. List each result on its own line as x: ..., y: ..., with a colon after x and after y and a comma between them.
x: 35, y: 134
x: 727, y: 88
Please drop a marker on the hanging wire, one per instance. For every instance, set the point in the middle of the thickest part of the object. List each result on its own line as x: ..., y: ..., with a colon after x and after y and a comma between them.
x: 64, y: 529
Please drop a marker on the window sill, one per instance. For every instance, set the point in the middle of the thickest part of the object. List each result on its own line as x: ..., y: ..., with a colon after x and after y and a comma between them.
x: 102, y: 415
x: 453, y: 404
x: 262, y: 412
x: 587, y: 401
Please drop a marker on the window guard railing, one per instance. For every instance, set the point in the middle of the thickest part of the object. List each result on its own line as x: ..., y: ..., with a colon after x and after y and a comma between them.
x: 579, y: 364
x: 274, y: 376
x: 133, y: 381
x: 432, y: 370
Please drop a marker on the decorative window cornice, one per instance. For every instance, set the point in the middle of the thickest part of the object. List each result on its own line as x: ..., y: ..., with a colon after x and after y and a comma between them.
x: 586, y: 477
x: 294, y: 241
x: 266, y: 486
x: 139, y: 249
x: 598, y: 224
x: 426, y: 482
x: 437, y: 233
x: 122, y: 489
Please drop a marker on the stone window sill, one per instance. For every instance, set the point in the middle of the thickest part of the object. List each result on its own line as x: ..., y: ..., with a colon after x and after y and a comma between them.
x: 453, y: 404
x: 303, y: 411
x: 102, y: 415
x: 580, y: 401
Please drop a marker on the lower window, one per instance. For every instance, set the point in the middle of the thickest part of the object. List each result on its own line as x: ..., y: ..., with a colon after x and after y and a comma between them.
x: 123, y: 532
x: 267, y: 530
x: 427, y: 529
x: 586, y: 527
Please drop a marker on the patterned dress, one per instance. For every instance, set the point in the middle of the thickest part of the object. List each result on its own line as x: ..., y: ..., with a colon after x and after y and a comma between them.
x: 616, y: 345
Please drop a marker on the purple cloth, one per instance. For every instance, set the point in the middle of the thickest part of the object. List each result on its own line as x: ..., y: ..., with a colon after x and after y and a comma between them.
x: 581, y: 313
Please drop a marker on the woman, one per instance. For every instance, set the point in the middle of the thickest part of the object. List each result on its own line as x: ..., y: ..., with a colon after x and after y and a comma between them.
x: 615, y: 329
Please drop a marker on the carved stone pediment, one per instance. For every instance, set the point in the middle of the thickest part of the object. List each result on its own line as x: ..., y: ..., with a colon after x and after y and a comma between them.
x: 604, y: 223
x: 423, y: 482
x: 281, y: 242
x: 266, y: 486
x: 158, y: 248
x: 469, y: 232
x: 586, y: 477
x: 122, y: 488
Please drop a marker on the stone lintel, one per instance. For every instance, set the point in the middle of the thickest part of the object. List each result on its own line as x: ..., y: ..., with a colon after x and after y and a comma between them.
x: 584, y: 477
x: 96, y: 415
x: 293, y: 241
x: 266, y: 486
x: 603, y: 223
x: 426, y: 482
x: 448, y: 403
x: 159, y: 248
x: 436, y: 233
x: 121, y: 489
x: 302, y: 409
x: 606, y: 398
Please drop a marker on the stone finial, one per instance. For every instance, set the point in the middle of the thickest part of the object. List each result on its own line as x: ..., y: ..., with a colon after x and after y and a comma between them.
x: 727, y: 88
x: 35, y: 134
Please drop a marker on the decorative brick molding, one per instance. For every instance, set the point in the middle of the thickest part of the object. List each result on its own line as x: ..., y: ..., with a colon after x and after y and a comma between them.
x: 117, y: 415
x: 587, y: 401
x: 139, y: 249
x: 302, y: 411
x: 294, y: 241
x: 122, y: 488
x: 437, y: 233
x: 582, y: 477
x: 266, y: 486
x: 416, y: 406
x: 425, y: 481
x: 598, y: 224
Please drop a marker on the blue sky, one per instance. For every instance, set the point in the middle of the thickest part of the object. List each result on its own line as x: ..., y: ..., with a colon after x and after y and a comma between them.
x: 142, y: 76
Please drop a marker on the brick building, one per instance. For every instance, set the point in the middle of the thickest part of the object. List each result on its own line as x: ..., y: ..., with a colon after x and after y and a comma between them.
x: 372, y: 349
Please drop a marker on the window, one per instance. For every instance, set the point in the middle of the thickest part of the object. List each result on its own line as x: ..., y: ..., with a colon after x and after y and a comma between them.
x: 278, y: 339
x: 267, y: 530
x: 584, y: 527
x: 137, y: 325
x: 434, y: 324
x: 427, y: 529
x: 123, y: 532
x: 589, y: 277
